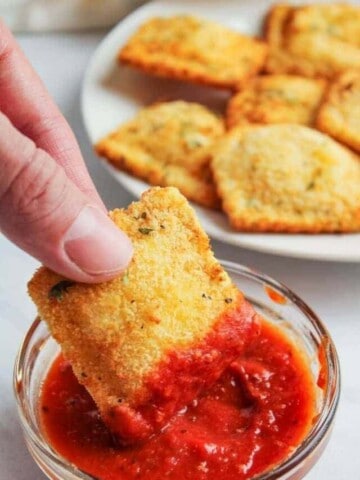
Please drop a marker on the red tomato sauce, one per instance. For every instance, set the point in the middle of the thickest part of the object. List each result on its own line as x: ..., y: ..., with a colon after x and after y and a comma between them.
x: 250, y: 420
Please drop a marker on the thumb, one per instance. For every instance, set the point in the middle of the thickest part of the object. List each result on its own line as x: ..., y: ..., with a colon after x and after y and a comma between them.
x: 45, y: 214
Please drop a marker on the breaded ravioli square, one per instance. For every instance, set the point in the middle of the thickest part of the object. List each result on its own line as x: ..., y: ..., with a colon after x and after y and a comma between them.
x: 275, y: 22
x: 278, y: 59
x: 337, y: 20
x: 148, y: 342
x: 195, y: 50
x: 167, y: 144
x: 321, y: 55
x: 339, y: 115
x: 314, y: 41
x: 287, y: 178
x: 276, y: 99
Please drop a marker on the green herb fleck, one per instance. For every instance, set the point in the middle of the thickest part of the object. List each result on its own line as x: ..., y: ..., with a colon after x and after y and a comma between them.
x: 279, y: 94
x: 195, y: 140
x: 333, y: 30
x: 252, y: 203
x: 185, y: 127
x: 273, y: 92
x: 193, y: 143
x: 58, y: 290
x: 206, y: 296
x: 125, y: 278
x: 145, y: 230
x: 310, y: 185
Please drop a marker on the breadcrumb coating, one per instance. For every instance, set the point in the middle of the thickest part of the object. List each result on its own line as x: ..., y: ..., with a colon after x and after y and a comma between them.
x: 191, y: 49
x: 287, y: 178
x: 167, y: 144
x: 339, y: 115
x: 314, y: 41
x: 276, y: 99
x: 146, y: 343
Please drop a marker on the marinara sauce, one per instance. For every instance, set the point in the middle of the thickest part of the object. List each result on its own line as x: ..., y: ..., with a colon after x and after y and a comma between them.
x: 250, y: 420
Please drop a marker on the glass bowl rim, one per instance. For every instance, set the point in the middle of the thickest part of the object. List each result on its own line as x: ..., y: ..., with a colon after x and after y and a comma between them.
x: 318, y: 432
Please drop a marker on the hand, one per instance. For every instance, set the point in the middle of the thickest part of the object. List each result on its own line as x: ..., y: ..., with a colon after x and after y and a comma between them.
x: 48, y: 204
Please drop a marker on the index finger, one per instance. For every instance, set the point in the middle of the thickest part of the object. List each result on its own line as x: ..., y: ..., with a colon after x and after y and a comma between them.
x: 26, y: 102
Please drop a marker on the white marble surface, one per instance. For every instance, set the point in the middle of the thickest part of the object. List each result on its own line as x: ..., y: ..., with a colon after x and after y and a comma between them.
x: 332, y: 289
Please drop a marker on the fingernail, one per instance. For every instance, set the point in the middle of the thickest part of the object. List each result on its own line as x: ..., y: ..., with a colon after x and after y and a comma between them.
x: 96, y: 245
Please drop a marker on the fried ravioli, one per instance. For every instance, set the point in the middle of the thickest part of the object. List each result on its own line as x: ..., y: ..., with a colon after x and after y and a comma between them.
x: 148, y: 342
x: 192, y: 49
x: 276, y: 99
x: 337, y: 20
x: 275, y: 22
x: 320, y: 55
x: 167, y: 144
x: 278, y: 60
x: 287, y: 178
x: 339, y: 116
x: 314, y: 41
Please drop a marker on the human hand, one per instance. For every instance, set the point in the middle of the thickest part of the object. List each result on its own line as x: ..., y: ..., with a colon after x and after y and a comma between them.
x: 48, y: 204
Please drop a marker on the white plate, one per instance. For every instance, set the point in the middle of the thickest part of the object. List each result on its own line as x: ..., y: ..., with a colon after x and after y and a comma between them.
x: 112, y: 95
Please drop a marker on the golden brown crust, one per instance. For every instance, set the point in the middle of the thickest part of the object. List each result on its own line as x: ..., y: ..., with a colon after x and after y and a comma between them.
x: 278, y: 60
x: 339, y: 115
x: 318, y: 54
x: 195, y: 50
x: 276, y: 99
x: 287, y: 178
x: 167, y: 144
x: 275, y: 22
x: 314, y: 41
x: 340, y: 21
x: 115, y: 334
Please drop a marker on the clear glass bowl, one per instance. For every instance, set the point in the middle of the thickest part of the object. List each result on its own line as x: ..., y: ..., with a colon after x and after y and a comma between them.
x: 273, y: 301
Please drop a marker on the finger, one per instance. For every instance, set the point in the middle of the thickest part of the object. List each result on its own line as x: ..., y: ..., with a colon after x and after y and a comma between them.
x: 24, y: 99
x: 43, y: 212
